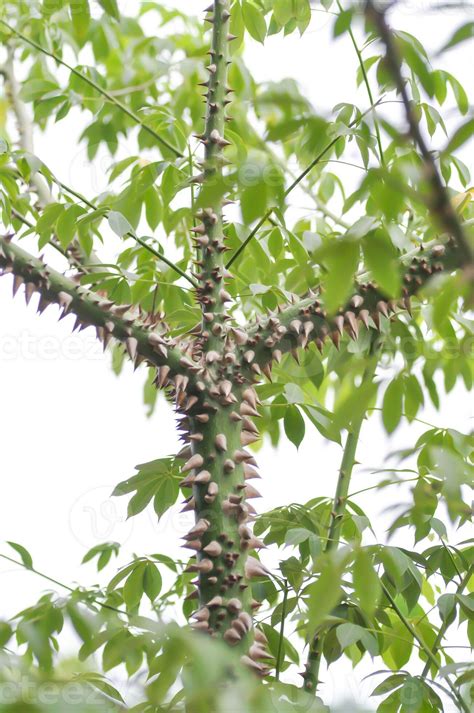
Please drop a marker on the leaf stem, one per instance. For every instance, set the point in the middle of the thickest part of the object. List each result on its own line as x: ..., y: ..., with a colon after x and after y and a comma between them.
x: 367, y: 86
x: 129, y: 234
x: 95, y: 599
x: 296, y: 182
x: 97, y: 88
x: 429, y: 652
x: 282, y: 631
x: 313, y: 664
x: 444, y: 626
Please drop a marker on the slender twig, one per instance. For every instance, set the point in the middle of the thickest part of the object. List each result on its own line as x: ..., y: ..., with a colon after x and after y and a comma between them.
x: 63, y: 585
x: 438, y: 200
x: 320, y: 205
x: 282, y: 631
x: 131, y: 114
x: 52, y: 242
x: 128, y: 234
x: 424, y: 646
x: 444, y: 626
x: 367, y: 86
x: 311, y: 674
x: 87, y: 602
x: 297, y: 181
x: 90, y: 309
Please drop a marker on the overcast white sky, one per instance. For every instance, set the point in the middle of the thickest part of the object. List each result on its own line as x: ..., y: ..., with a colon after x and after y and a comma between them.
x: 70, y: 430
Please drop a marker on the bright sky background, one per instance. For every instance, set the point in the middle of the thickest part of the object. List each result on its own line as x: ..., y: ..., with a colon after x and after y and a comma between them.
x: 70, y: 430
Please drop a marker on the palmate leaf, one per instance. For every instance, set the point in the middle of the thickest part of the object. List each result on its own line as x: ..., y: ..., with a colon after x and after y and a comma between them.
x: 157, y: 480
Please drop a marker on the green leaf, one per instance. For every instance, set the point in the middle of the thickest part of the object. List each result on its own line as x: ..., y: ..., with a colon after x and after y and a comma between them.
x: 133, y: 587
x: 348, y: 634
x: 152, y: 581
x: 394, y: 681
x: 103, y: 552
x: 111, y: 8
x: 366, y: 582
x: 283, y: 11
x: 381, y: 258
x: 253, y: 202
x: 340, y: 257
x: 295, y: 536
x: 156, y: 480
x: 6, y: 633
x: 303, y: 14
x: 119, y: 223
x: 343, y: 22
x: 414, y: 398
x: 392, y: 407
x: 81, y: 17
x: 254, y: 21
x: 324, y: 594
x: 463, y: 33
x: 447, y: 608
x: 100, y: 684
x: 66, y: 224
x: 460, y: 136
x: 294, y: 425
x: 24, y: 554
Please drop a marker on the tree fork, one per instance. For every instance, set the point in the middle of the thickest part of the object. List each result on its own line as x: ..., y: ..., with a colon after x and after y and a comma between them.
x: 218, y: 423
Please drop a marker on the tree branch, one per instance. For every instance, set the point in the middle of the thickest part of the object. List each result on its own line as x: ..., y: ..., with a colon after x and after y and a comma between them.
x: 307, y: 321
x: 444, y: 626
x: 218, y: 424
x: 24, y: 125
x: 424, y: 646
x: 129, y: 234
x: 95, y: 86
x: 438, y: 200
x: 142, y: 341
x: 314, y: 658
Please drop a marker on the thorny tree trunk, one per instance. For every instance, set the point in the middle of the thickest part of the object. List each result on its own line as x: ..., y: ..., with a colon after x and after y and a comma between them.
x: 216, y: 412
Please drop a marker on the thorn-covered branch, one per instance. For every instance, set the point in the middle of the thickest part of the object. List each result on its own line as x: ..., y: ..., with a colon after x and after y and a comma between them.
x: 307, y: 320
x: 438, y: 200
x: 144, y: 341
